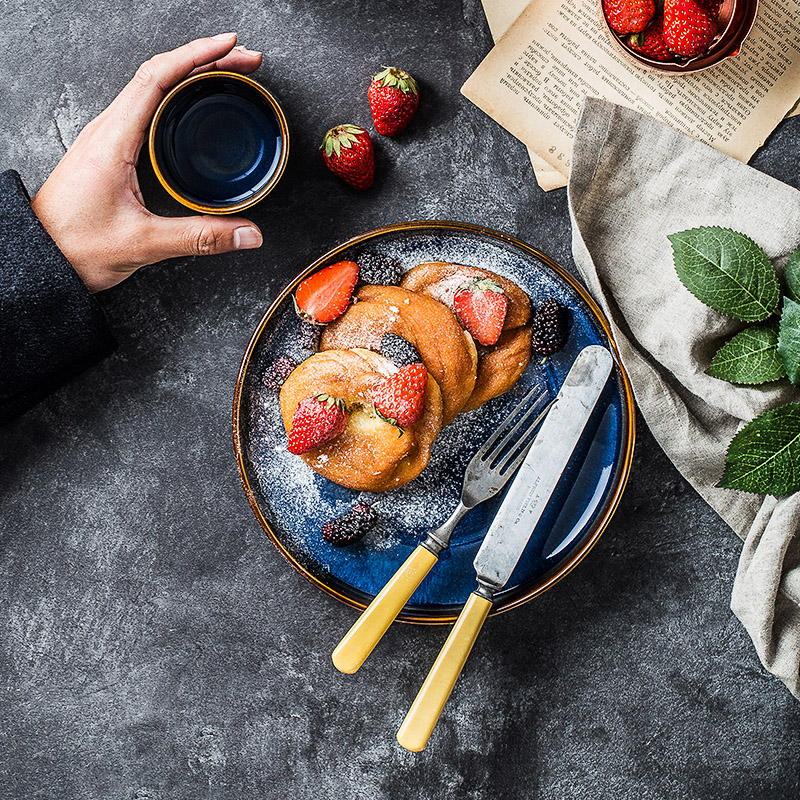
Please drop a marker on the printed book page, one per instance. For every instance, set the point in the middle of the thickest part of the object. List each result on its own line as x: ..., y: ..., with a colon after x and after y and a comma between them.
x: 501, y: 15
x: 556, y: 52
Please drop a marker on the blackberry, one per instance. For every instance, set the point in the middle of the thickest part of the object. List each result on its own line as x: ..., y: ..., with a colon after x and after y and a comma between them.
x: 308, y: 336
x: 379, y: 270
x: 398, y: 350
x: 549, y: 328
x: 282, y: 367
x: 350, y: 527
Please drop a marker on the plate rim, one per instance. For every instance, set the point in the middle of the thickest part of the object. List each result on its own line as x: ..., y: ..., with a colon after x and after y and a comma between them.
x: 629, y: 417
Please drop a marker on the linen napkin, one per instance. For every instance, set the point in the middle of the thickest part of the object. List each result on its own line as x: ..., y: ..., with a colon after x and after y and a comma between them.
x: 633, y: 181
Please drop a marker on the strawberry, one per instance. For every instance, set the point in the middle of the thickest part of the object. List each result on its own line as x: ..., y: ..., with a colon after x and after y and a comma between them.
x: 393, y: 98
x: 401, y: 397
x: 480, y: 306
x: 628, y: 16
x: 712, y: 6
x: 689, y: 28
x: 347, y: 152
x: 325, y: 295
x: 651, y: 43
x: 315, y: 421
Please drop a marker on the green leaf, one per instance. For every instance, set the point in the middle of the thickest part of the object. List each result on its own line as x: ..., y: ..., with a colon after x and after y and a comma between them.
x: 789, y: 339
x: 396, y: 79
x: 727, y: 271
x: 751, y: 357
x: 764, y: 457
x: 792, y: 275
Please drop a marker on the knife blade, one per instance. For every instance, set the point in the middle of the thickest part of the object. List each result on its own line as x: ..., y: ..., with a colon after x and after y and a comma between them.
x: 508, y: 535
x: 534, y: 483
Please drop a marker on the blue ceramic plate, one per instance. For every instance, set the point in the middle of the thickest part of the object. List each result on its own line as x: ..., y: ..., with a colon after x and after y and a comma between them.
x: 292, y: 501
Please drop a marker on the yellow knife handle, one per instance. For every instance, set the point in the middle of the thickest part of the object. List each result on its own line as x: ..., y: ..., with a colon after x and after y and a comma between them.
x: 424, y: 713
x: 361, y: 639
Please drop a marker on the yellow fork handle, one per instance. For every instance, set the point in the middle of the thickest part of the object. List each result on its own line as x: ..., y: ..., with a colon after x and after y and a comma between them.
x: 424, y: 713
x: 361, y: 639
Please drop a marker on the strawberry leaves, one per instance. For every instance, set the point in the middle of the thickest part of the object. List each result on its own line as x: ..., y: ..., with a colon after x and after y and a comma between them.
x: 730, y: 273
x: 342, y: 136
x: 397, y: 79
x: 727, y: 271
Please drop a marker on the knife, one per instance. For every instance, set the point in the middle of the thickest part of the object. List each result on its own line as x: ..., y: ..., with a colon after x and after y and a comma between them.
x: 509, y: 533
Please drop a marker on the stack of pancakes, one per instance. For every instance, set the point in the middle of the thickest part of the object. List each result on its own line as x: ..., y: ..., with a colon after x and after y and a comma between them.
x: 372, y: 455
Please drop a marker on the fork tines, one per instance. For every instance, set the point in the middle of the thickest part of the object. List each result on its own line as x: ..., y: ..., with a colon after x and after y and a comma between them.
x: 503, y: 454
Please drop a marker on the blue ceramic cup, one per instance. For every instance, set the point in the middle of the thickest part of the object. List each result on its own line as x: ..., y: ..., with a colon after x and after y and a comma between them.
x: 219, y: 142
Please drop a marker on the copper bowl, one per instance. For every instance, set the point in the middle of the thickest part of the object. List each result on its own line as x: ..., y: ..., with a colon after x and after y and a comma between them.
x: 735, y: 20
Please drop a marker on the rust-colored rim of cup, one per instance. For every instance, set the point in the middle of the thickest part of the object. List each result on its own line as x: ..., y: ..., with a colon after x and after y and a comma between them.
x: 729, y: 44
x: 266, y: 189
x: 629, y: 434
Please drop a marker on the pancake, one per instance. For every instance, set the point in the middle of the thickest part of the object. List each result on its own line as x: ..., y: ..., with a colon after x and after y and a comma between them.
x: 370, y: 455
x: 500, y: 365
x: 448, y: 352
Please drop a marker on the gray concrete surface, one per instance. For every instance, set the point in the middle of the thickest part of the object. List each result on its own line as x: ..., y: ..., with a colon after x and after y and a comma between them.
x: 154, y: 644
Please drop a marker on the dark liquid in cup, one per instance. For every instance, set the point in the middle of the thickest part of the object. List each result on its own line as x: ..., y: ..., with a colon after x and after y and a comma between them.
x: 220, y: 143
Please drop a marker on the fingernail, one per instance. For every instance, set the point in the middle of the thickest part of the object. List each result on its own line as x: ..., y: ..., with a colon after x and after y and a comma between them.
x: 223, y: 37
x: 246, y: 238
x: 247, y: 50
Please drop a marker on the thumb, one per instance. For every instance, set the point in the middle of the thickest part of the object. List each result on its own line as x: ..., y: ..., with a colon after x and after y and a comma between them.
x: 172, y: 237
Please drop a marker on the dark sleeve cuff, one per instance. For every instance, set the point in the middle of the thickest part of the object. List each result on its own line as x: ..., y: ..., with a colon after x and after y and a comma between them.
x: 51, y: 327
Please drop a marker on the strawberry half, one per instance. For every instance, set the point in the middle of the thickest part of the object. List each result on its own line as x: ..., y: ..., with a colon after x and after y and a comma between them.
x: 689, y: 28
x: 628, y: 16
x: 480, y: 306
x: 315, y: 421
x: 347, y: 152
x: 326, y: 294
x: 393, y: 99
x: 400, y: 399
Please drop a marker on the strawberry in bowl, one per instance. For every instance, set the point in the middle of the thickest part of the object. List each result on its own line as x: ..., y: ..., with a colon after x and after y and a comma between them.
x: 678, y: 35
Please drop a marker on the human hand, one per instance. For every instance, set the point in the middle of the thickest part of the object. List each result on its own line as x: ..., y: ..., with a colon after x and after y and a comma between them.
x: 91, y: 204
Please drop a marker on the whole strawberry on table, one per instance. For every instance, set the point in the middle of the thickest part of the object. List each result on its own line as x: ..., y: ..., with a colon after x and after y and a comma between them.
x: 393, y: 99
x: 683, y: 29
x: 347, y: 152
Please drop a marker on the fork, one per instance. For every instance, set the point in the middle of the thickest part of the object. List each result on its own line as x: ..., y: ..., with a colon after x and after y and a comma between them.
x: 486, y: 474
